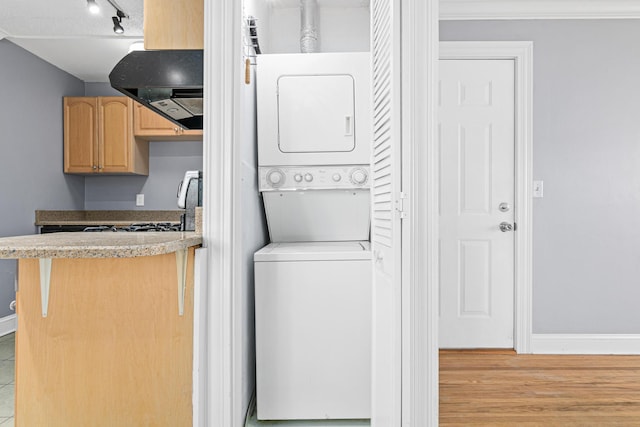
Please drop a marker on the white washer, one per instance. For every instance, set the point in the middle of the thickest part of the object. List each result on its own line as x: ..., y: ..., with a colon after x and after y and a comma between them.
x: 314, y: 109
x: 313, y: 330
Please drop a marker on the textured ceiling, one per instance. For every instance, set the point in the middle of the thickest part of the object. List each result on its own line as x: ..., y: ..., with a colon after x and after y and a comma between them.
x: 67, y: 18
x: 64, y: 33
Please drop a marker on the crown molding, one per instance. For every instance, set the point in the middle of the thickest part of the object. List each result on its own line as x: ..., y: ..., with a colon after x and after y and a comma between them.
x: 539, y: 9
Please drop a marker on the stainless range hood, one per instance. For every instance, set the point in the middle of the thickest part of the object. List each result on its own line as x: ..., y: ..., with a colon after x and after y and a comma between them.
x: 167, y: 81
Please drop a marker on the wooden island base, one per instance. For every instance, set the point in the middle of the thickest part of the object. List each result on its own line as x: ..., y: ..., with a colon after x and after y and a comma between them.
x: 112, y: 350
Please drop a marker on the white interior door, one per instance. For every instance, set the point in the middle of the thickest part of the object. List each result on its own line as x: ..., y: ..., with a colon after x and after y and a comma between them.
x: 477, y: 203
x: 386, y: 233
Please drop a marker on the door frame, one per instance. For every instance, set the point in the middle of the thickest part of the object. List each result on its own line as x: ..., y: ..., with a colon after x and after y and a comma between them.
x: 521, y: 53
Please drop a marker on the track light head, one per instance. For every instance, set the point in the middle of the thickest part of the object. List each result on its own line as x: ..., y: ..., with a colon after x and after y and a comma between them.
x: 117, y: 28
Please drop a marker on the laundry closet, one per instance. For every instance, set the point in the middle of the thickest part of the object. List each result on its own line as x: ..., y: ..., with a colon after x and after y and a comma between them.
x: 308, y: 87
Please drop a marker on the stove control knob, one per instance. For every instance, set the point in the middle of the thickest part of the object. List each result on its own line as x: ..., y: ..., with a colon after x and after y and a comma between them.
x: 275, y: 177
x: 336, y: 177
x: 308, y: 177
x: 359, y: 176
x: 297, y: 177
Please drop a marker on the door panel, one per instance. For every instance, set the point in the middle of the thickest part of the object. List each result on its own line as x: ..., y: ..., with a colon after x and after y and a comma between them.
x: 80, y: 134
x: 115, y: 121
x: 477, y: 176
x: 386, y: 223
x: 317, y: 112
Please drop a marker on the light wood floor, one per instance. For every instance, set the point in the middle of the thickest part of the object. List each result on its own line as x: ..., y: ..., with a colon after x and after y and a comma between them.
x: 500, y: 388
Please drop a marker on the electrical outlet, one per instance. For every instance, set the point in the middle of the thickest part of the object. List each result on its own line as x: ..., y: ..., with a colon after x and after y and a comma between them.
x: 139, y: 199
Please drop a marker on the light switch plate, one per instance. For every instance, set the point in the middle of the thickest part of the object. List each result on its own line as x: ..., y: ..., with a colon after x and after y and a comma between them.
x: 538, y: 188
x: 139, y: 199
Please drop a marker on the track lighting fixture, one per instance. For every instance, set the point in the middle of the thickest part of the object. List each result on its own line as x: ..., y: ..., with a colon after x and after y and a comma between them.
x: 117, y: 21
x: 117, y: 28
x: 93, y: 7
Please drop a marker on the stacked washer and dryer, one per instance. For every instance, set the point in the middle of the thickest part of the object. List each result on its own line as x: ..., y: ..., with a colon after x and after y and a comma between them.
x: 313, y: 281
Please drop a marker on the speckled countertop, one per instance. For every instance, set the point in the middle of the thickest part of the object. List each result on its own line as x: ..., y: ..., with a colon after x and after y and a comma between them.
x: 96, y: 245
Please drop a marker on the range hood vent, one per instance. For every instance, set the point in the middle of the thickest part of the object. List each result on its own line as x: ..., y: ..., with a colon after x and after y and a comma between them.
x: 167, y: 81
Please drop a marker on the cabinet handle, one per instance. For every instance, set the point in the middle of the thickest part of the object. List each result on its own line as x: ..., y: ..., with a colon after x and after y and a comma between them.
x: 94, y: 167
x: 176, y: 130
x: 12, y: 305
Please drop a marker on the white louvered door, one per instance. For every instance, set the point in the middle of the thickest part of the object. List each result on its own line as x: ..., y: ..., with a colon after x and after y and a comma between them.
x: 386, y: 222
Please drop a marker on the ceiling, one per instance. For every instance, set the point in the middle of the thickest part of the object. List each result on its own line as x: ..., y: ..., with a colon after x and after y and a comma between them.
x: 64, y: 33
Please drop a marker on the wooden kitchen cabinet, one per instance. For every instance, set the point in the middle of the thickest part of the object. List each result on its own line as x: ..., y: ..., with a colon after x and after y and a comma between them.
x: 147, y: 124
x: 171, y: 24
x: 98, y: 137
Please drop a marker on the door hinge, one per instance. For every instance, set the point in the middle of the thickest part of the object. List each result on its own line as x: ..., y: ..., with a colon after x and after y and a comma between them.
x: 515, y: 226
x: 402, y: 205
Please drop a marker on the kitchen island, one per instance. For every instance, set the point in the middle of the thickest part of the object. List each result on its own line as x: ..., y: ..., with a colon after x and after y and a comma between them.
x: 105, y: 328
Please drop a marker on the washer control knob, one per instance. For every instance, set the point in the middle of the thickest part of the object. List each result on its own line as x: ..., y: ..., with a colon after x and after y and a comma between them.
x: 359, y: 176
x: 297, y: 177
x: 336, y: 177
x: 308, y: 177
x: 275, y: 177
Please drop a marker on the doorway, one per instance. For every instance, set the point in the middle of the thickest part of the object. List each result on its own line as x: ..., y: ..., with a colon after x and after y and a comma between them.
x: 485, y: 268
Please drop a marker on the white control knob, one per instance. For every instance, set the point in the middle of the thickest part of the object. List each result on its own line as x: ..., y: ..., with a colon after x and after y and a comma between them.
x: 336, y: 177
x: 359, y: 176
x: 297, y: 177
x: 275, y: 177
x: 308, y: 177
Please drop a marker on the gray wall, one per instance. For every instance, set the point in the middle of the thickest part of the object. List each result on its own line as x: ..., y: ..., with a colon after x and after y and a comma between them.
x: 31, y: 149
x: 587, y: 150
x: 167, y: 163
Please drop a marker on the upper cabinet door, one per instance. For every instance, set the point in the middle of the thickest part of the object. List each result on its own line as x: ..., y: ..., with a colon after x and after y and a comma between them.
x: 115, y: 121
x: 149, y: 125
x: 80, y: 135
x: 316, y: 114
x: 171, y: 24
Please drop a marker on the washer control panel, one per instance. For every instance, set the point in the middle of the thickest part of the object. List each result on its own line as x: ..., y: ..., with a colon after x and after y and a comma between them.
x: 313, y: 177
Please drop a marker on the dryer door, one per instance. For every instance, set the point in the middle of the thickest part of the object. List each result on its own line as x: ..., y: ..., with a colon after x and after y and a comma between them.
x: 316, y: 113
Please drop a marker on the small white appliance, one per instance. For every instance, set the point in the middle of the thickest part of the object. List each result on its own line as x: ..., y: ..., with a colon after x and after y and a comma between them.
x: 184, y: 187
x: 190, y: 196
x: 314, y: 109
x: 313, y: 330
x: 316, y: 203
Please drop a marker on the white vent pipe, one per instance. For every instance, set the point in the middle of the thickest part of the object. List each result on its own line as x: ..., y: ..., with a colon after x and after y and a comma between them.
x: 308, y: 27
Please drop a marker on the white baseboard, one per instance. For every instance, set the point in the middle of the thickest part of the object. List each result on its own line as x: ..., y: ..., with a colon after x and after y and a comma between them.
x: 7, y: 324
x: 585, y: 344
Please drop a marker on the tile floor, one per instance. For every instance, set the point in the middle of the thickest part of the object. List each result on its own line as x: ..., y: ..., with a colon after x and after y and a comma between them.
x: 7, y: 369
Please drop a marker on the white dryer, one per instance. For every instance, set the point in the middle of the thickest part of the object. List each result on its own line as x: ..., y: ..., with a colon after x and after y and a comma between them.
x: 314, y: 109
x: 313, y: 330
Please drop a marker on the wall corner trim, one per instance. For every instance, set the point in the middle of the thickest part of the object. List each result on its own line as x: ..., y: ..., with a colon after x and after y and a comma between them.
x: 586, y: 344
x: 536, y: 9
x: 8, y: 324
